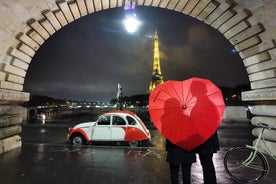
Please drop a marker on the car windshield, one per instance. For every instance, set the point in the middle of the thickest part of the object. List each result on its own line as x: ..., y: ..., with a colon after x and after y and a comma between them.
x: 131, y: 121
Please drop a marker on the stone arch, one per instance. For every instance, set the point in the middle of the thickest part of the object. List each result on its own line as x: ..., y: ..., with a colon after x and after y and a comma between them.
x: 248, y: 25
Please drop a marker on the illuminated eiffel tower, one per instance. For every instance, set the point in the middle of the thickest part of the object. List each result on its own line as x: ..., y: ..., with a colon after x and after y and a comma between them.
x: 156, y: 77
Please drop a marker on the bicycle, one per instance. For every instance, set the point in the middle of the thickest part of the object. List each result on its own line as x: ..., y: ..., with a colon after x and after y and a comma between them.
x: 247, y: 164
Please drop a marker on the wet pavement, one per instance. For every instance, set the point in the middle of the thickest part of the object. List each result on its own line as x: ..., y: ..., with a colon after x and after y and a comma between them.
x: 38, y: 162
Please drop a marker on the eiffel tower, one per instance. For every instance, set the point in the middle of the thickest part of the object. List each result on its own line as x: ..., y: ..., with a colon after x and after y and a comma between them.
x: 156, y: 77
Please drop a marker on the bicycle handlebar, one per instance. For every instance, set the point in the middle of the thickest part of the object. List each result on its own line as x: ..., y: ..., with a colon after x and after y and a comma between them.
x: 264, y: 125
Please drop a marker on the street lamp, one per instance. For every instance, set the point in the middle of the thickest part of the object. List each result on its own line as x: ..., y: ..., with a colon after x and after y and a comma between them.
x: 131, y: 23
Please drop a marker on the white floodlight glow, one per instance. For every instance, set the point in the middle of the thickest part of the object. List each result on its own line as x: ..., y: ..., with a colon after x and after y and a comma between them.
x: 131, y: 24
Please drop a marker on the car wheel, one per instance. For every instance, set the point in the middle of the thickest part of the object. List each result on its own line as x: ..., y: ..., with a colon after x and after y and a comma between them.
x: 133, y: 144
x: 77, y: 140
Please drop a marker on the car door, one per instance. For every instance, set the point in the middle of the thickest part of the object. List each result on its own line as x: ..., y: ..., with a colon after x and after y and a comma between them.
x: 118, y: 128
x: 101, y: 130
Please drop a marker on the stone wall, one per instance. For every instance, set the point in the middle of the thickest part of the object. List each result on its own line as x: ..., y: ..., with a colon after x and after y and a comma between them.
x: 249, y: 25
x: 265, y: 114
x: 235, y: 113
x: 10, y: 120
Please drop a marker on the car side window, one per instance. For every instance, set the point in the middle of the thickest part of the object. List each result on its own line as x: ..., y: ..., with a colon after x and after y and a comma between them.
x: 104, y: 120
x: 131, y: 120
x: 117, y: 120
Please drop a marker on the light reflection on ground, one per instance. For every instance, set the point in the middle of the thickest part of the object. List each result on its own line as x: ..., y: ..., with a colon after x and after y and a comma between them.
x: 59, y: 162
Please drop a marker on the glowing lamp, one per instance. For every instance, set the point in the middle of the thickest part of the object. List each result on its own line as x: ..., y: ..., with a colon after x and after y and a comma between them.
x: 131, y: 24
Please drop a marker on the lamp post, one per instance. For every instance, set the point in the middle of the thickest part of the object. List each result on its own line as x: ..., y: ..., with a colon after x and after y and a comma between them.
x: 131, y: 22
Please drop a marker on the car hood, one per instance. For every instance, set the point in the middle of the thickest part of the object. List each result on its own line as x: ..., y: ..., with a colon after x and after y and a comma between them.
x: 85, y: 124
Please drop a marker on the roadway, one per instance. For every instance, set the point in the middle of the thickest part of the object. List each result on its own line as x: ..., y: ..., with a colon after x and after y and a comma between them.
x: 47, y: 157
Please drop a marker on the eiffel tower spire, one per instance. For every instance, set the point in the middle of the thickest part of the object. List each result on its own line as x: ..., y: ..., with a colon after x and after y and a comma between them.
x: 157, y: 77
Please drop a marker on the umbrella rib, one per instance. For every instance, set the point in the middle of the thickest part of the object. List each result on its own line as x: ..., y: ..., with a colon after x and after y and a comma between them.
x: 208, y: 103
x: 213, y: 116
x: 196, y: 128
x: 205, y: 113
x: 203, y: 124
x: 208, y: 95
x: 167, y: 94
x: 184, y: 98
x: 188, y: 100
x: 176, y: 132
x: 169, y: 124
x: 174, y: 125
x: 182, y: 127
x: 176, y: 92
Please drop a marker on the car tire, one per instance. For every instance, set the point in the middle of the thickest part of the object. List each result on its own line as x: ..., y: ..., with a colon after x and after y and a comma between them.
x: 77, y: 140
x: 133, y: 144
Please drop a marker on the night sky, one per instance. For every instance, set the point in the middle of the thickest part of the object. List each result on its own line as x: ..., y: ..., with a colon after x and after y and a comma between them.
x: 86, y: 59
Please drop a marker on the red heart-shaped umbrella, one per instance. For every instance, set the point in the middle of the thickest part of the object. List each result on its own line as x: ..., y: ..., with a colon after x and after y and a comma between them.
x: 187, y: 112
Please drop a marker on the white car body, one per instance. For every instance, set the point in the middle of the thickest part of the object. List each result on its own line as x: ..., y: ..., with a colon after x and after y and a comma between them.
x: 118, y: 125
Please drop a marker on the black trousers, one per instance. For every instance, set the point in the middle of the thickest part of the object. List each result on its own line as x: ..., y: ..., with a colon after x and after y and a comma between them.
x: 209, y: 173
x: 186, y: 173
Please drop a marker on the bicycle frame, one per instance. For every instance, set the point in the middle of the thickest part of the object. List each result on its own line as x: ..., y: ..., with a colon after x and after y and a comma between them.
x: 251, y: 157
x: 254, y: 161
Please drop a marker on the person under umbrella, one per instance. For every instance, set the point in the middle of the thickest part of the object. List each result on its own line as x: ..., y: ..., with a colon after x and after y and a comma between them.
x: 211, y: 146
x: 190, y: 121
x: 179, y: 159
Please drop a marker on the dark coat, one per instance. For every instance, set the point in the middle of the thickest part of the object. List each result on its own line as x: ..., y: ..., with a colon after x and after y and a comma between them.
x: 177, y: 155
x: 210, y: 146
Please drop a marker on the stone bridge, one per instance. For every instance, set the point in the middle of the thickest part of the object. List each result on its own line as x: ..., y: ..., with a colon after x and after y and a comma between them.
x: 249, y: 25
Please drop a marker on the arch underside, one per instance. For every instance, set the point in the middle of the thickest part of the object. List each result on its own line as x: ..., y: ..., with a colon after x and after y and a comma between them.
x: 234, y: 23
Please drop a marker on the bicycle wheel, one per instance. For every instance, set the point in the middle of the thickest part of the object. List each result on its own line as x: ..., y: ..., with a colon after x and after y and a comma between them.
x: 234, y: 163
